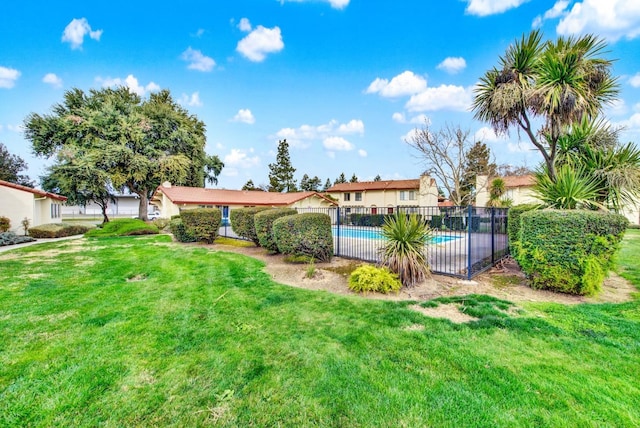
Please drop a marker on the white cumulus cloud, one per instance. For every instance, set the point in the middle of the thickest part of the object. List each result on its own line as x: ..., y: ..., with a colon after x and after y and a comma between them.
x: 353, y: 127
x: 192, y: 100
x: 405, y: 83
x: 420, y: 119
x: 244, y: 116
x: 303, y: 135
x: 239, y: 158
x: 260, y: 42
x: 244, y: 25
x: 443, y: 97
x: 556, y: 11
x: 130, y: 82
x: 197, y: 61
x: 336, y: 4
x: 635, y: 80
x: 8, y: 77
x: 337, y: 144
x: 52, y: 80
x: 488, y: 135
x: 452, y: 65
x: 611, y: 19
x: 491, y: 7
x: 75, y: 31
x: 362, y: 153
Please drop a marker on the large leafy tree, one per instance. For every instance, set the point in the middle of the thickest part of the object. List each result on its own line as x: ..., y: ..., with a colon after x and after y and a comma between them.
x: 281, y: 172
x: 137, y: 143
x: 11, y: 167
x: 553, y: 83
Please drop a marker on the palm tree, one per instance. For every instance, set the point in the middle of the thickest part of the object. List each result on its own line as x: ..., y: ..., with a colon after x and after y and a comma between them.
x: 557, y: 82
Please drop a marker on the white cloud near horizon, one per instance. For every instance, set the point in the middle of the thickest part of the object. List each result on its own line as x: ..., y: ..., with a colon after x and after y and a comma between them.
x: 612, y: 19
x: 260, y: 42
x: 404, y: 84
x: 302, y: 136
x: 336, y: 4
x: 197, y: 60
x: 491, y: 7
x: 240, y: 158
x: 75, y: 31
x: 443, y: 97
x: 244, y: 116
x: 452, y: 65
x: 635, y: 80
x: 8, y: 77
x: 130, y: 82
x: 53, y: 80
x: 556, y: 11
x: 192, y: 100
x: 416, y: 120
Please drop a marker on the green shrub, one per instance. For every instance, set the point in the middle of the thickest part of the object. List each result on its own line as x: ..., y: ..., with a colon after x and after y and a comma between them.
x: 123, y: 227
x: 436, y: 221
x: 263, y: 226
x: 202, y: 223
x: 377, y: 279
x: 514, y: 224
x: 307, y: 234
x: 569, y: 251
x: 242, y: 222
x: 179, y: 231
x: 10, y: 238
x: 160, y: 223
x: 58, y: 230
x: 5, y: 224
x: 374, y: 220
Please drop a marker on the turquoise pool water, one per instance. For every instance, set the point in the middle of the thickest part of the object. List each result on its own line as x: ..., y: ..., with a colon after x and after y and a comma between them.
x: 351, y: 232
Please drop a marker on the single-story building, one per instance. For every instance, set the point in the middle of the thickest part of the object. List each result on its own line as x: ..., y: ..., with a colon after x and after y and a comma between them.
x: 383, y: 197
x: 19, y: 202
x: 170, y: 200
x: 123, y: 204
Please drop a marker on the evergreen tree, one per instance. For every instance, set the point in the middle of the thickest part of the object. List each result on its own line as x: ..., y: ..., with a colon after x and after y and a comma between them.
x: 315, y: 183
x: 340, y: 179
x: 249, y: 185
x: 478, y: 162
x: 304, y: 183
x: 327, y: 185
x: 281, y: 172
x: 354, y: 178
x: 377, y: 178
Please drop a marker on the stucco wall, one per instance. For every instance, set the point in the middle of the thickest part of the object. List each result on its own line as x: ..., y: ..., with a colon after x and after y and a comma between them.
x: 16, y: 205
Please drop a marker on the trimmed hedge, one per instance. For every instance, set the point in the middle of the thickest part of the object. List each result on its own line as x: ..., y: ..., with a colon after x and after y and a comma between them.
x: 307, y: 234
x: 569, y: 251
x: 58, y: 230
x: 242, y: 222
x: 179, y: 231
x: 375, y: 220
x: 370, y: 278
x: 5, y: 224
x: 264, y: 223
x: 514, y: 224
x: 202, y: 223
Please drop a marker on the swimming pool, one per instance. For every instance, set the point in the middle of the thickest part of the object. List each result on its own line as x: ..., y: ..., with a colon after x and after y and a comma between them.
x: 351, y: 232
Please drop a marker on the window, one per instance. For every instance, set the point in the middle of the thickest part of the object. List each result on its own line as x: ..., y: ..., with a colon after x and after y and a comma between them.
x: 358, y: 196
x: 403, y: 195
x: 412, y: 195
x: 390, y: 210
x: 347, y: 196
x: 55, y: 210
x: 374, y: 210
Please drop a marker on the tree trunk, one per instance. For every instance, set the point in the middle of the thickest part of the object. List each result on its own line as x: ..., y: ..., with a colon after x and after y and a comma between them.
x: 144, y: 206
x: 105, y: 218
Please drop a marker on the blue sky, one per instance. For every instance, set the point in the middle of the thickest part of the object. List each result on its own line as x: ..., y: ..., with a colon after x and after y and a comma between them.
x: 344, y: 81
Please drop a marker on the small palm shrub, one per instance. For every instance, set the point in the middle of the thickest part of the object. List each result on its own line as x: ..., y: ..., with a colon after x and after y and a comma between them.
x: 263, y: 222
x: 572, y: 189
x: 368, y: 278
x: 5, y: 224
x: 404, y: 251
x: 243, y: 222
x: 307, y: 234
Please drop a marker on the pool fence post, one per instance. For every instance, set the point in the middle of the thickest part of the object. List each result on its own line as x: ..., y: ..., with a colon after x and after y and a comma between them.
x: 469, y: 219
x: 338, y: 233
x: 493, y: 236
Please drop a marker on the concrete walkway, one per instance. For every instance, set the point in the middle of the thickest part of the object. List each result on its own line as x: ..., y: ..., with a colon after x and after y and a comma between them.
x: 39, y: 241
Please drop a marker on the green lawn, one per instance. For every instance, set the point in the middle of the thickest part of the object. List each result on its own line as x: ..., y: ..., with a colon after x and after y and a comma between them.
x: 139, y: 331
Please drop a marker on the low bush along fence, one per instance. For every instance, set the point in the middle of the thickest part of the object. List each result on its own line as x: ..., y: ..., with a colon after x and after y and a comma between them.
x: 308, y: 235
x: 243, y: 223
x: 568, y: 251
x: 263, y: 226
x: 202, y: 223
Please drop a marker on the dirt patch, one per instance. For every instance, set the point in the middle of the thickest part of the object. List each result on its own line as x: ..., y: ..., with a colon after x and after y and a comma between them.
x: 449, y: 311
x: 505, y: 281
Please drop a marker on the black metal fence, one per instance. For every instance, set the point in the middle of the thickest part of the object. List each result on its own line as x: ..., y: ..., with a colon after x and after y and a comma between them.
x: 465, y: 240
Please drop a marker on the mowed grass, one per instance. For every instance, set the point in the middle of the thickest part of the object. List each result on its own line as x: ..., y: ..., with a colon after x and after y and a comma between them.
x: 140, y: 331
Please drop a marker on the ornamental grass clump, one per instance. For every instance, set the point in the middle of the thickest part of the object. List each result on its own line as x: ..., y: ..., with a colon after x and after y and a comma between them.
x: 404, y: 251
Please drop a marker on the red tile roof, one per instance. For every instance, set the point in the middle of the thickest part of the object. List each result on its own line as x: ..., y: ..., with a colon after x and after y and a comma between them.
x: 203, y: 196
x: 377, y: 185
x: 37, y: 192
x: 518, y: 181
